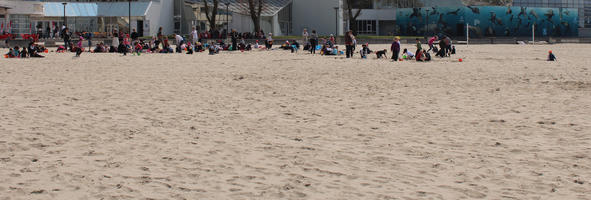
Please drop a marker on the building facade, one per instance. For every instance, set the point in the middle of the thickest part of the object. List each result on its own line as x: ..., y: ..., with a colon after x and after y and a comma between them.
x: 583, y: 7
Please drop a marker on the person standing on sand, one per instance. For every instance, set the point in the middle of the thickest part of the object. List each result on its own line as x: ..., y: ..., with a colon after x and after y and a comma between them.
x: 115, y: 41
x: 66, y: 35
x: 234, y: 37
x: 195, y: 35
x: 313, y: 42
x: 349, y: 43
x: 134, y: 35
x: 431, y: 41
x: 160, y: 36
x: 419, y: 47
x: 79, y: 46
x: 395, y: 48
x: 269, y: 41
x: 306, y: 35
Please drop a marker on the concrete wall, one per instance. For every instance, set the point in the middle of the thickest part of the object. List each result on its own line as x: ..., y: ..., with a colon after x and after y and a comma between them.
x: 243, y: 23
x: 317, y: 15
x: 24, y: 7
x: 160, y: 14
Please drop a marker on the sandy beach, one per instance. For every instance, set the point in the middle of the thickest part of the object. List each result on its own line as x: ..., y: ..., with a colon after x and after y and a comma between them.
x: 502, y: 124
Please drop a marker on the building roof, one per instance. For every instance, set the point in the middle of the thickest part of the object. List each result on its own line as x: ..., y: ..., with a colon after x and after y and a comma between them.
x: 96, y: 9
x: 270, y: 7
x: 5, y: 7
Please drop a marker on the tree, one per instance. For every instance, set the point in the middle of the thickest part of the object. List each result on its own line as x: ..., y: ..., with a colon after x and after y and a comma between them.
x: 255, y: 7
x: 352, y: 17
x: 211, y: 16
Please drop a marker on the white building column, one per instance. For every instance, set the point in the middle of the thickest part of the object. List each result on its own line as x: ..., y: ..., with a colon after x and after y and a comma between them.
x: 275, y: 24
x: 340, y: 19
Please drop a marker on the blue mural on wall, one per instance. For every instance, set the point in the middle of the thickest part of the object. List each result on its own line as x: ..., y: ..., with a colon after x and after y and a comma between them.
x: 488, y: 21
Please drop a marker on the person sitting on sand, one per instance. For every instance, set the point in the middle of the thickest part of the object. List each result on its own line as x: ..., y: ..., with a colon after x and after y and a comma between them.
x: 423, y: 56
x: 213, y: 49
x: 23, y: 53
x: 407, y: 55
x: 98, y: 48
x: 551, y: 56
x: 295, y: 46
x: 137, y: 49
x: 189, y: 48
x: 33, y: 51
x: 269, y: 41
x: 256, y: 45
x: 8, y: 54
x: 365, y: 51
x: 13, y: 52
x: 286, y: 45
x: 199, y: 47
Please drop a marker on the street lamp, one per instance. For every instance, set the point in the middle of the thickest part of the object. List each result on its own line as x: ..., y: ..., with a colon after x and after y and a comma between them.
x: 336, y: 11
x: 427, y: 22
x: 227, y: 15
x: 129, y: 16
x: 65, y: 22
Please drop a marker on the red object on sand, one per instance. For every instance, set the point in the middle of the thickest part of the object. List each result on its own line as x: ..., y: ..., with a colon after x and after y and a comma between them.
x: 460, y: 60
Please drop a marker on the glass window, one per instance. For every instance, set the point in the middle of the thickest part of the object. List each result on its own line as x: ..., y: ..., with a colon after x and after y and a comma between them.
x: 20, y: 24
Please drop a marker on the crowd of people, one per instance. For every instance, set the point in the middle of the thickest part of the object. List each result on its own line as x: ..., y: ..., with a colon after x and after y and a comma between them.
x: 131, y: 43
x: 31, y: 51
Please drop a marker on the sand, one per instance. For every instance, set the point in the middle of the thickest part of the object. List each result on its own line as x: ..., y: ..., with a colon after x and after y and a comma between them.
x: 503, y: 124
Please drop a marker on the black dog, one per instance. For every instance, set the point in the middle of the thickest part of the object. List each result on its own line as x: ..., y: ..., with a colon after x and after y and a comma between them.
x: 382, y: 53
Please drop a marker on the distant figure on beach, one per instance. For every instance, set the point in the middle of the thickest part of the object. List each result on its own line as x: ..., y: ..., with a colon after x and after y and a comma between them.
x: 395, y: 48
x: 348, y: 43
x: 407, y: 55
x: 551, y: 56
x: 66, y: 36
x: 79, y: 47
x: 306, y: 35
x: 160, y: 37
x: 269, y: 41
x: 365, y: 51
x: 134, y: 35
x: 195, y: 35
x: 313, y: 42
x: 431, y: 41
x: 419, y: 47
x: 115, y: 41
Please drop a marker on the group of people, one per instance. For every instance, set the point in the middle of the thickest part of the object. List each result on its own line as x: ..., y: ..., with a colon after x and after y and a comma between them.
x: 131, y: 43
x: 31, y: 51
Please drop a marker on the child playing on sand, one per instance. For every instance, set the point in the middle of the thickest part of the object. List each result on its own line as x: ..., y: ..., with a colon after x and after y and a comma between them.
x: 407, y: 54
x: 551, y: 56
x: 79, y: 47
x: 364, y: 51
x: 419, y: 46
